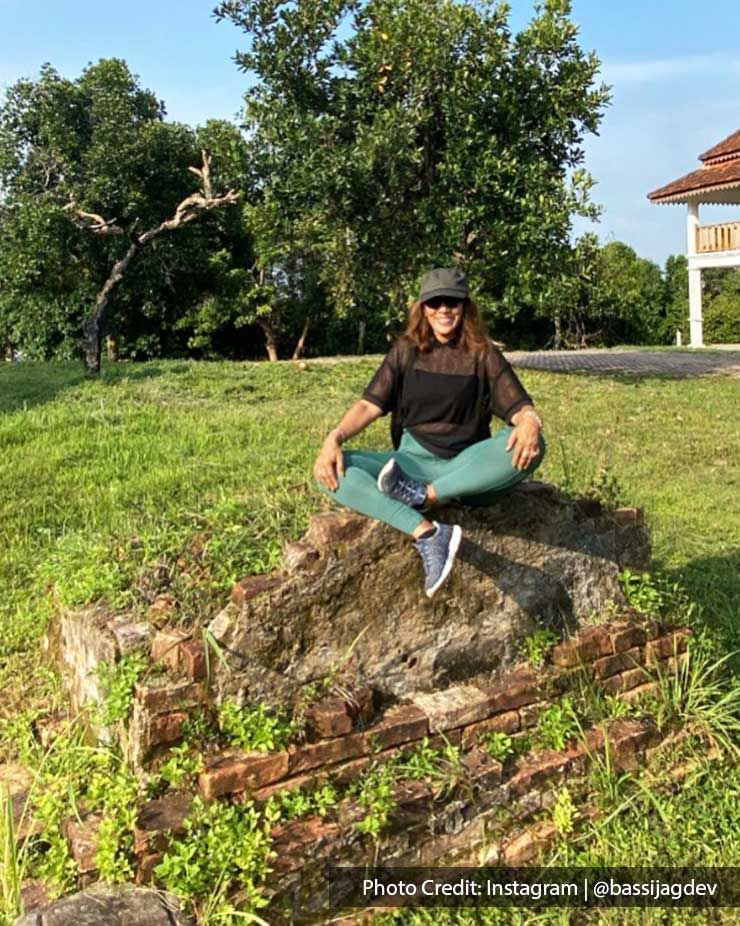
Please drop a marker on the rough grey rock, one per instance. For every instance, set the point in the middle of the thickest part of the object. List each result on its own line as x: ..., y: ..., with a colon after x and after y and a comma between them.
x: 123, y: 905
x: 535, y: 558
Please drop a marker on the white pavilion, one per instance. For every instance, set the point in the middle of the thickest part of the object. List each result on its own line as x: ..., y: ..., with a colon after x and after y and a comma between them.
x: 716, y: 182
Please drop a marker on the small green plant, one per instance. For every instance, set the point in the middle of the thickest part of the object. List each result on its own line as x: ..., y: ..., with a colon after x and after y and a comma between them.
x: 700, y: 694
x: 556, y: 725
x: 182, y: 767
x: 375, y: 793
x: 537, y: 646
x: 605, y: 487
x: 198, y: 728
x: 441, y: 768
x: 119, y: 680
x: 655, y: 596
x: 255, y: 727
x: 498, y: 745
x: 225, y: 848
x: 287, y: 805
x: 564, y: 813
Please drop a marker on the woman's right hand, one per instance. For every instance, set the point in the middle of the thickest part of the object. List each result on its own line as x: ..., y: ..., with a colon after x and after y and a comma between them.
x: 329, y: 464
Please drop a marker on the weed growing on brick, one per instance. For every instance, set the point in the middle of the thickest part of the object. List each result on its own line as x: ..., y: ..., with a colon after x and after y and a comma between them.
x: 255, y: 727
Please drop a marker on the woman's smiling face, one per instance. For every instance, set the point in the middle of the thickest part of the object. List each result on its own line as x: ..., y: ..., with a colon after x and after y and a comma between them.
x: 444, y: 314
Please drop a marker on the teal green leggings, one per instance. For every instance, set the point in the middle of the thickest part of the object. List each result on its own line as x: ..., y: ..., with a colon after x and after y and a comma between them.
x: 476, y: 476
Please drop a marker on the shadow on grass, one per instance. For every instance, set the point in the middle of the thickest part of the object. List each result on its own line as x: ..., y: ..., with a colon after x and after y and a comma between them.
x: 29, y: 384
x: 714, y: 583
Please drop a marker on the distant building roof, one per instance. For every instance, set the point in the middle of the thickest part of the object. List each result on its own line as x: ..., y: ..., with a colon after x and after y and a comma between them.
x: 729, y: 147
x: 720, y: 171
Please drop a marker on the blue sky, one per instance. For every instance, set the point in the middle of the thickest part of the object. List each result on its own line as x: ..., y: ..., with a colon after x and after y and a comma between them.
x: 674, y: 66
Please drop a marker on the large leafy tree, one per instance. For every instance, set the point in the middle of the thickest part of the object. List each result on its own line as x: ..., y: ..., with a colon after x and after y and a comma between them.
x: 92, y: 174
x: 389, y: 135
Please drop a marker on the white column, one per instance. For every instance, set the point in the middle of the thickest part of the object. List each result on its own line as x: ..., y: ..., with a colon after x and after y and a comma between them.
x: 695, y: 319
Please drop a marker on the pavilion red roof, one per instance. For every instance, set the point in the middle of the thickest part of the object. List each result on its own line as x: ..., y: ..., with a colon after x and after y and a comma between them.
x: 720, y: 170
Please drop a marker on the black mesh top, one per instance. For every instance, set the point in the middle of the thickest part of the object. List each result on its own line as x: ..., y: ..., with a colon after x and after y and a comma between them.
x: 446, y: 397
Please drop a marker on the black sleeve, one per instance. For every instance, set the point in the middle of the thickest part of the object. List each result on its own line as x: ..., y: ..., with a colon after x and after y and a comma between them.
x: 382, y: 390
x: 507, y: 393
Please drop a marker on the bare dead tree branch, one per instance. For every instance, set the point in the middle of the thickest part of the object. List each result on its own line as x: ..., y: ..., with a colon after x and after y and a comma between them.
x: 191, y: 209
x: 91, y: 221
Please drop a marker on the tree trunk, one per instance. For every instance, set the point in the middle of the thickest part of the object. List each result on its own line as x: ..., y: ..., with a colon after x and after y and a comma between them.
x: 300, y: 346
x: 558, y: 334
x: 361, y: 329
x: 93, y: 329
x: 270, y: 343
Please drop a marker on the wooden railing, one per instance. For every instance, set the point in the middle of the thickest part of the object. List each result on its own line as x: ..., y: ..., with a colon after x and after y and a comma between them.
x: 724, y: 237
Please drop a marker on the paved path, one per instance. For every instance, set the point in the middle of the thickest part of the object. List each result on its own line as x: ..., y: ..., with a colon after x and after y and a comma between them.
x: 670, y: 363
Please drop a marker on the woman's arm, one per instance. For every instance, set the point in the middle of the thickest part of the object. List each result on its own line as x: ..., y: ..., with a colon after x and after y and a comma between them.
x: 329, y: 464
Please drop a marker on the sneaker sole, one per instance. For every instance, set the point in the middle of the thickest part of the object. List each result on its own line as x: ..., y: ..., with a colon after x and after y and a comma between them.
x: 451, y: 554
x: 384, y: 472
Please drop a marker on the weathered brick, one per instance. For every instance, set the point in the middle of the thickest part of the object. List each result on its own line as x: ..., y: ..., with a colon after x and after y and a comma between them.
x: 613, y: 684
x: 400, y: 724
x: 328, y: 718
x: 297, y: 783
x: 34, y: 895
x: 159, y: 819
x: 513, y: 690
x: 633, y: 677
x: 166, y: 647
x: 481, y: 769
x: 83, y: 842
x: 162, y: 694
x: 166, y: 728
x: 130, y: 635
x: 625, y: 636
x: 519, y: 850
x: 642, y: 691
x: 251, y: 586
x: 529, y: 714
x: 626, y: 516
x: 454, y: 707
x: 145, y: 867
x: 327, y: 752
x: 627, y: 737
x: 508, y: 722
x: 298, y: 840
x: 610, y: 665
x: 249, y: 770
x: 193, y: 659
x: 533, y: 771
x: 586, y: 646
x: 667, y: 645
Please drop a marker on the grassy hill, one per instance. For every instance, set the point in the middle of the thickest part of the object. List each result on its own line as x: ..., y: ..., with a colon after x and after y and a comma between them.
x: 181, y: 477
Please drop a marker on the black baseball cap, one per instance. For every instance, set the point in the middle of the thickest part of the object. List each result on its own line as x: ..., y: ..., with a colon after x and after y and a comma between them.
x: 443, y: 281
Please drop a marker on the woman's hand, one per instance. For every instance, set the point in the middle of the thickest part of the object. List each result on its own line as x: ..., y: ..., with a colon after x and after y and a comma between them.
x: 525, y: 439
x: 329, y: 464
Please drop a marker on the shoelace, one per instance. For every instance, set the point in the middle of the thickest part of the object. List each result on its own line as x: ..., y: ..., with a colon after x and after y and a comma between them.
x: 408, y: 490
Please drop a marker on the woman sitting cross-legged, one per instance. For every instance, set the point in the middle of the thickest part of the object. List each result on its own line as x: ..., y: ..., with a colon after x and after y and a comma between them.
x: 443, y: 379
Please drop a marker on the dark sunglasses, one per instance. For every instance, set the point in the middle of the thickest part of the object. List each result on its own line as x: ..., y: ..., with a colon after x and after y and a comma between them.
x: 438, y: 301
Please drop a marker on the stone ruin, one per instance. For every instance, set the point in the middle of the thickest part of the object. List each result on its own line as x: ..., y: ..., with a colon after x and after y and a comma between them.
x: 347, y: 617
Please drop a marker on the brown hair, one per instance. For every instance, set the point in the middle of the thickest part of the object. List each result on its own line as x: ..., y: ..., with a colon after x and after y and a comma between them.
x: 473, y: 334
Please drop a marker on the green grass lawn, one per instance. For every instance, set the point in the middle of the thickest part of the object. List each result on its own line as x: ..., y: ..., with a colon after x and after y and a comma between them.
x: 182, y: 477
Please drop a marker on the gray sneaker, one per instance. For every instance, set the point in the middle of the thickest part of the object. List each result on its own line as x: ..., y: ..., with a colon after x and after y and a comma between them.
x: 394, y: 482
x: 438, y: 553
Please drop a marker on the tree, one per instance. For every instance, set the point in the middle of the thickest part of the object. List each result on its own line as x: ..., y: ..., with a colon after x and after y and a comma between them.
x: 610, y: 296
x: 677, y: 297
x: 424, y: 134
x: 96, y: 150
